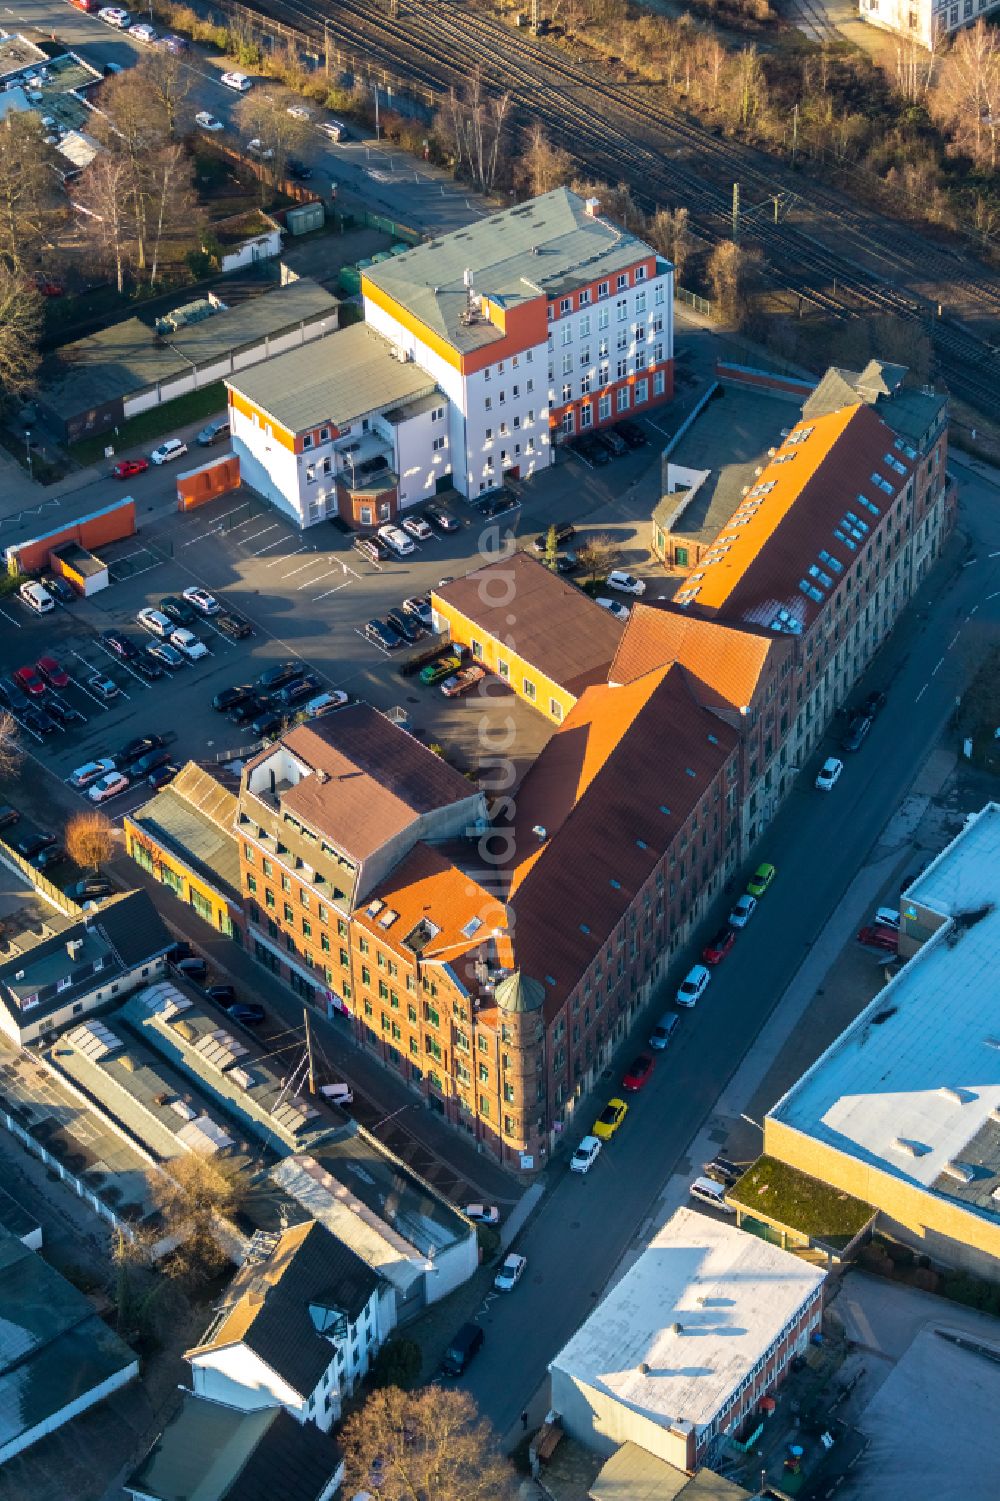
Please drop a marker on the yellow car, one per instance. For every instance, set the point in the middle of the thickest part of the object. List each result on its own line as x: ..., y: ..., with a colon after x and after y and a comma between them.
x: 610, y: 1119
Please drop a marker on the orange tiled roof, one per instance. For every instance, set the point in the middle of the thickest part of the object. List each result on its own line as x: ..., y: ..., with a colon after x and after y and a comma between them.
x: 428, y: 887
x: 728, y: 659
x: 753, y: 570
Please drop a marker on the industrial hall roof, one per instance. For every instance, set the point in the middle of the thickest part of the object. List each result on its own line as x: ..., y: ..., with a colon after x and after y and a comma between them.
x: 728, y: 661
x: 542, y: 248
x: 336, y: 380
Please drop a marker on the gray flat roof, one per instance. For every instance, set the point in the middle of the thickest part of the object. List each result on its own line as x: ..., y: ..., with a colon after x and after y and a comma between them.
x: 337, y: 379
x: 912, y: 1086
x: 194, y: 838
x: 130, y: 356
x: 540, y: 248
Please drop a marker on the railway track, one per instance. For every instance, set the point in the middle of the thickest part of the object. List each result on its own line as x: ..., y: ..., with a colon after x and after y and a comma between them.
x: 611, y: 131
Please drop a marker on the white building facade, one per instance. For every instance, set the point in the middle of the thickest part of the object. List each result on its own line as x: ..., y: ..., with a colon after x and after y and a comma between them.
x: 926, y: 22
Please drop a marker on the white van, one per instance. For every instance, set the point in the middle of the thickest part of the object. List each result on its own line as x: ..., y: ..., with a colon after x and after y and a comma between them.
x: 707, y: 1191
x: 334, y: 129
x: 37, y: 597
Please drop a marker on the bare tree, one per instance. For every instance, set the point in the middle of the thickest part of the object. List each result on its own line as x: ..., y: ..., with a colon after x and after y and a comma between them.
x: 475, y: 124
x: 263, y: 117
x: 169, y: 82
x: 20, y: 330
x: 668, y: 231
x: 194, y: 1195
x: 543, y: 166
x: 598, y: 554
x: 11, y: 753
x: 30, y: 205
x: 174, y: 208
x: 89, y: 839
x: 104, y: 200
x: 967, y: 97
x: 732, y: 271
x: 428, y: 1445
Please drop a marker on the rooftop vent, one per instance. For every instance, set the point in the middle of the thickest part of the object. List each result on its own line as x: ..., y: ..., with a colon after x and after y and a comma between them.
x: 960, y: 1171
x: 644, y: 1368
x: 909, y: 1147
x: 677, y: 1329
x: 540, y: 831
x: 592, y: 206
x: 73, y: 947
x: 959, y: 1096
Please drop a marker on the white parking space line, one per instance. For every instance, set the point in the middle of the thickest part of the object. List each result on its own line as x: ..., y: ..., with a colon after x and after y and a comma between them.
x: 120, y: 662
x: 18, y: 623
x: 316, y: 561
x: 284, y: 558
x: 262, y: 533
x: 327, y: 592
x: 261, y: 550
x: 329, y: 572
x: 370, y: 642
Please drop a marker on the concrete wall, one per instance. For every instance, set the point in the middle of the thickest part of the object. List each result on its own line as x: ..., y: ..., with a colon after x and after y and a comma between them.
x: 602, y: 1424
x: 217, y: 477
x: 240, y: 1379
x: 418, y: 463
x: 110, y: 524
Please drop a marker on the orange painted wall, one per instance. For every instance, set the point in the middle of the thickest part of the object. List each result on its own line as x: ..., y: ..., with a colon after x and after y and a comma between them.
x: 518, y: 327
x: 204, y: 484
x: 93, y: 533
x: 248, y: 409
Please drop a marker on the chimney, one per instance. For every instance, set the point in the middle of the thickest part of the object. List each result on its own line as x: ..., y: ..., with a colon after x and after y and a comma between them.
x: 73, y: 946
x: 592, y: 206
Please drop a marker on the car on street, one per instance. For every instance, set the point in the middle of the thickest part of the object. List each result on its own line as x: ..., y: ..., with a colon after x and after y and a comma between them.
x: 631, y: 433
x: 277, y: 676
x: 613, y: 606
x: 417, y: 527
x: 419, y: 606
x: 434, y: 672
x: 188, y: 644
x: 298, y: 692
x: 162, y: 776
x: 143, y: 32
x: 8, y: 816
x: 247, y: 709
x: 565, y: 531
x: 90, y: 889
x: 482, y: 1214
x: 718, y: 947
x: 201, y: 600
x: 638, y: 1073
x: 461, y: 681
x: 228, y: 698
x: 829, y: 774
x: 168, y: 451
x: 28, y: 680
x: 590, y: 451
x: 663, y: 1032
x: 613, y: 442
x: 247, y: 1013
x: 887, y: 916
x: 441, y: 518
x: 405, y: 625
x: 693, y: 986
x: 879, y: 936
x: 103, y: 687
x: 213, y: 432
x: 396, y: 539
x: 232, y: 625
x: 744, y: 908
x: 238, y: 82
x: 610, y: 1119
x: 108, y: 786
x: 761, y: 879
x: 58, y: 588
x: 299, y: 112
x: 155, y: 622
x: 382, y: 635
x: 707, y: 1191
x: 371, y: 548
x: 874, y: 703
x: 55, y: 675
x: 177, y: 610
x: 136, y: 748
x: 128, y: 468
x: 585, y: 1155
x: 113, y: 15
x: 857, y: 732
x: 510, y: 1272
x: 625, y: 583
x: 166, y: 655
x: 90, y: 771
x: 336, y: 698
x: 205, y: 121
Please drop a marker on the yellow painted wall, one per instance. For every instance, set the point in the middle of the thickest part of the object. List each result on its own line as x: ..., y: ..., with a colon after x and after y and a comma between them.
x: 463, y: 631
x: 225, y: 918
x: 946, y: 1231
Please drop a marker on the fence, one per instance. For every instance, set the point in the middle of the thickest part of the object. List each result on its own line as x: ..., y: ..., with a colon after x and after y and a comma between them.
x: 692, y: 300
x: 41, y: 883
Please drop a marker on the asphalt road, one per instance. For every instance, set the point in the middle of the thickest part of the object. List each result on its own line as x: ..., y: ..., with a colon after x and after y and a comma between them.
x: 818, y: 842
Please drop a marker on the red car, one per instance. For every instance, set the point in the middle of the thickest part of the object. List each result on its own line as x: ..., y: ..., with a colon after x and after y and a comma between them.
x: 125, y: 468
x: 716, y: 950
x: 638, y: 1072
x: 879, y: 936
x: 54, y: 675
x: 48, y: 287
x: 28, y: 679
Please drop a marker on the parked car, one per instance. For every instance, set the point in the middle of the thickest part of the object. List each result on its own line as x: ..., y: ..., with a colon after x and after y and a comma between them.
x: 299, y: 112
x: 371, y: 548
x: 108, y: 786
x: 464, y: 1345
x: 277, y: 675
x: 761, y: 879
x: 121, y: 645
x: 113, y: 15
x: 297, y: 692
x: 143, y: 32
x: 614, y: 607
x: 590, y: 451
x: 888, y: 917
x: 396, y: 539
x: 336, y: 698
x: 90, y: 771
x: 52, y: 854
x: 128, y: 468
x: 58, y: 587
x: 267, y: 725
x: 90, y: 889
x: 208, y: 122
x: 631, y: 433
x: 168, y: 451
x: 247, y: 1013
x: 257, y: 148
x: 166, y: 655
x: 36, y: 597
x: 175, y: 44
x: 247, y: 709
x: 155, y: 622
x: 54, y: 675
x: 238, y: 82
x: 857, y: 732
x: 444, y: 667
x: 177, y: 610
x: 193, y: 966
x: 497, y: 504
x: 188, y: 644
x: 718, y: 947
x: 63, y: 713
x: 442, y: 519
x: 297, y: 170
x: 151, y: 761
x: 162, y: 776
x: 405, y: 625
x: 419, y: 606
x: 707, y: 1191
x: 610, y: 1119
x: 232, y: 625
x: 482, y: 1214
x: 228, y: 698
x: 585, y: 1155
x: 624, y: 582
x: 103, y: 687
x: 12, y: 697
x: 744, y: 908
x: 874, y: 703
x: 417, y: 527
x: 692, y: 987
x: 136, y: 748
x: 31, y: 842
x: 829, y: 774
x: 382, y: 635
x: 201, y: 600
x: 510, y: 1273
x: 880, y: 936
x: 613, y: 442
x: 564, y: 530
x: 28, y: 680
x: 461, y: 681
x: 723, y: 1170
x: 213, y: 432
x: 8, y: 816
x: 638, y: 1073
x: 663, y: 1032
x: 567, y: 562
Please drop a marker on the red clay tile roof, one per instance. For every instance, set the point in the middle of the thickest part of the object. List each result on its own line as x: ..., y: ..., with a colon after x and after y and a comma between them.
x: 378, y: 779
x: 550, y: 623
x: 626, y: 754
x: 753, y: 569
x: 729, y: 660
x: 428, y: 887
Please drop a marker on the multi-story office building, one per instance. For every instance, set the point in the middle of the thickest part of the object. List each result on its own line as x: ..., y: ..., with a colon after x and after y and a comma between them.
x: 926, y: 22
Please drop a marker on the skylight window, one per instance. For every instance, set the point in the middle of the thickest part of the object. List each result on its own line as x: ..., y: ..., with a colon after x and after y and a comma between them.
x: 811, y: 590
x: 783, y: 458
x: 895, y: 464
x: 615, y: 885
x: 831, y: 561
x: 800, y: 435
x: 883, y: 484
x: 911, y: 453
x: 868, y: 505
x: 472, y: 927
x: 842, y: 536
x: 764, y: 488
x: 815, y: 572
x: 664, y: 809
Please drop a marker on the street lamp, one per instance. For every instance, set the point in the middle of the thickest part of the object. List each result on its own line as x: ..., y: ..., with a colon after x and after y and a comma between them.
x: 27, y: 449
